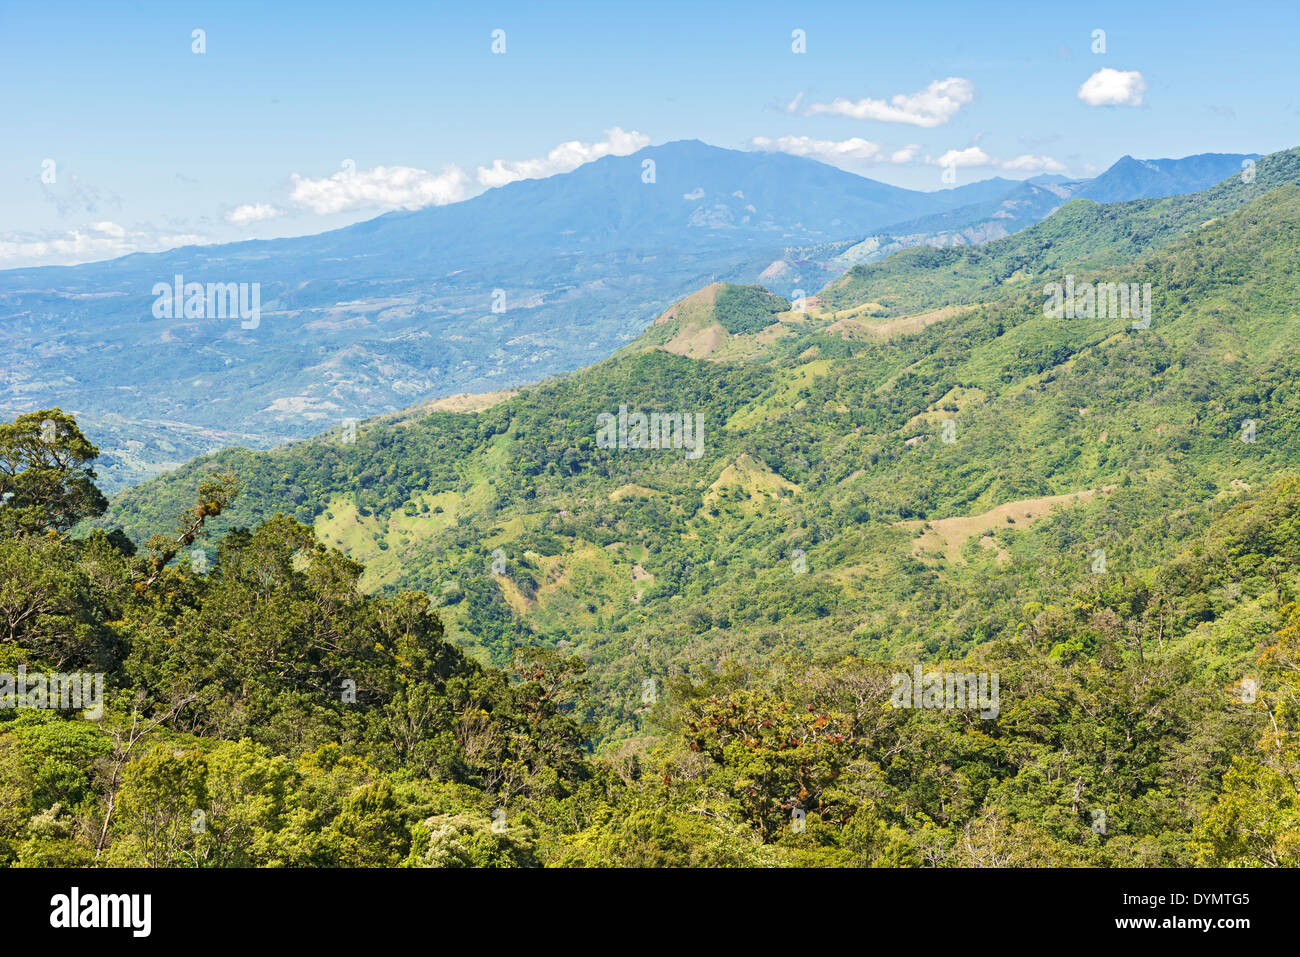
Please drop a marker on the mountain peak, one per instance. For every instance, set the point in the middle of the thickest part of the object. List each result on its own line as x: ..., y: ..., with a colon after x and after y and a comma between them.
x: 1130, y: 178
x: 700, y: 325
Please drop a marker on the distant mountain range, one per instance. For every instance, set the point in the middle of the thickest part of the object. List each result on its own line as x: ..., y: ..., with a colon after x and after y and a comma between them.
x: 522, y: 282
x: 1132, y: 178
x: 1022, y: 204
x: 898, y: 469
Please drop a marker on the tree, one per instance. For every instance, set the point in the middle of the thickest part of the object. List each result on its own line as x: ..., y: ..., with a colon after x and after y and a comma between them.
x: 46, y: 483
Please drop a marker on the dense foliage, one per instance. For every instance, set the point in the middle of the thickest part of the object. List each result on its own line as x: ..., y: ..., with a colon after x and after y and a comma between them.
x: 484, y: 639
x: 745, y: 309
x: 230, y: 737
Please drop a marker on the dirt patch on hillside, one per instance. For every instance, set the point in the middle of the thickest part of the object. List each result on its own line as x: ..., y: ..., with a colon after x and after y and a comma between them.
x: 697, y: 343
x: 631, y: 491
x: 466, y: 402
x: 891, y: 328
x: 469, y: 401
x: 948, y: 535
x: 753, y: 478
x: 701, y: 299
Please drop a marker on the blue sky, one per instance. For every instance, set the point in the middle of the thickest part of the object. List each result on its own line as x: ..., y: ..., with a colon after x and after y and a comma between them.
x: 154, y: 145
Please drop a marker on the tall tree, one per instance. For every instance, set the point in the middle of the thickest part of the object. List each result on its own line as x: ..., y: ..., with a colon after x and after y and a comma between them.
x: 46, y: 482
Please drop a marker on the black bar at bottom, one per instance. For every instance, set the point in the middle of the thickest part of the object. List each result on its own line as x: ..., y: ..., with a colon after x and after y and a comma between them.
x: 641, y: 908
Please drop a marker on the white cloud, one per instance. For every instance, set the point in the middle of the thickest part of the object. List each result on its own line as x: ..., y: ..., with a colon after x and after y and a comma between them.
x: 848, y: 153
x: 103, y: 240
x: 933, y: 106
x: 855, y: 148
x: 251, y: 213
x: 384, y: 187
x: 1109, y: 87
x: 696, y: 193
x: 974, y: 156
x: 908, y: 153
x: 564, y: 158
x: 405, y: 187
x: 971, y: 156
x: 793, y: 105
x: 1033, y: 163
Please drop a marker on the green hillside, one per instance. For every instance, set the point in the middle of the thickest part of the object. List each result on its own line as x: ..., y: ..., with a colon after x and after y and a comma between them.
x: 1082, y: 234
x: 923, y: 469
x: 722, y: 322
x: 830, y: 441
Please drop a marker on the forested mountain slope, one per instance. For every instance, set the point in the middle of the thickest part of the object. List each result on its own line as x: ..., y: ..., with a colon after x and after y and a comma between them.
x: 824, y: 448
x: 526, y: 280
x: 1081, y: 233
x: 1097, y: 517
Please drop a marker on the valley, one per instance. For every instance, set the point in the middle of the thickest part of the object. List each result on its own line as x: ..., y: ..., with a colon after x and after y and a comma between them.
x: 528, y: 606
x: 825, y: 436
x: 474, y: 297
